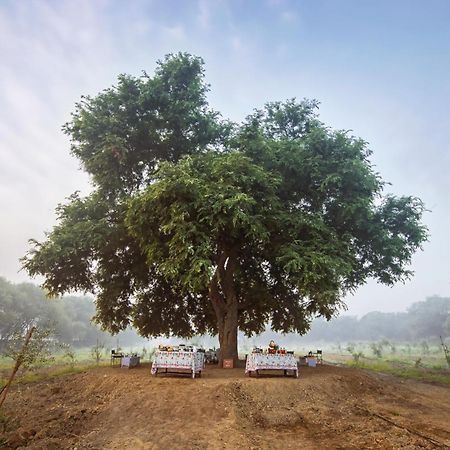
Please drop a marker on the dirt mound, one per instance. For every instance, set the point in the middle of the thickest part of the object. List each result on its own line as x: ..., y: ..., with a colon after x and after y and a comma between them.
x: 327, y: 407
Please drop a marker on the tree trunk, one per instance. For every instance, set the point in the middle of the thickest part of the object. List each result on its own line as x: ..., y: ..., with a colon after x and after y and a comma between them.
x: 228, y: 332
x: 222, y: 293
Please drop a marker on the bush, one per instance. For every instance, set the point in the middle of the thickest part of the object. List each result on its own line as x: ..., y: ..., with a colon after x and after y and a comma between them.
x: 425, y: 347
x: 69, y: 354
x: 97, y: 351
x: 357, y: 356
x: 376, y: 349
x: 41, y: 347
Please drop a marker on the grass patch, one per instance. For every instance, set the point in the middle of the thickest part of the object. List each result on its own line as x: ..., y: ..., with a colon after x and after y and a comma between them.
x: 33, y: 376
x: 416, y: 373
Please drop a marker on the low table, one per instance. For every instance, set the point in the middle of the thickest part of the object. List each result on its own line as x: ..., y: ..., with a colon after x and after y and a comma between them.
x: 130, y: 361
x: 260, y: 361
x: 193, y: 361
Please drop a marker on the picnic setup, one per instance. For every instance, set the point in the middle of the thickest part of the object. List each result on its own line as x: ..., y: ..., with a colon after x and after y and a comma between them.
x: 127, y: 361
x: 312, y: 359
x: 184, y: 359
x: 274, y: 358
x: 172, y: 359
x: 190, y: 360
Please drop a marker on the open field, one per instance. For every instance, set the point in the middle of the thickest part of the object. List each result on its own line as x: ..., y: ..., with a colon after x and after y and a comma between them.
x: 430, y: 368
x: 425, y: 362
x: 407, y: 362
x: 328, y: 407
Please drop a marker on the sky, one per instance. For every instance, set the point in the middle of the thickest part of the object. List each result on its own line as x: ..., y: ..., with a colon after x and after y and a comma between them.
x: 379, y: 68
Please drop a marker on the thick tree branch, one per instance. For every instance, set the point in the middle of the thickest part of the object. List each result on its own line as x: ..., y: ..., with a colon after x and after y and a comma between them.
x: 215, y: 296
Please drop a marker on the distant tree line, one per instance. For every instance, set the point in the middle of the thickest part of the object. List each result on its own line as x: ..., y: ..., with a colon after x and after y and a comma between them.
x: 428, y: 319
x: 69, y: 318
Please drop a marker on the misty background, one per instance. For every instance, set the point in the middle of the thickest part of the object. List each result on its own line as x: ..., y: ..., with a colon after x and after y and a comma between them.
x: 379, y: 69
x: 69, y: 319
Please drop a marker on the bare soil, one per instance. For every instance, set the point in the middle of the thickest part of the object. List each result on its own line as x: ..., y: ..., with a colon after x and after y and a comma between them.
x: 328, y: 408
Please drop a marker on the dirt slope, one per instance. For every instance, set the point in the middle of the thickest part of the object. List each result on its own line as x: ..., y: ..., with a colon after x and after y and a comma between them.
x: 327, y: 408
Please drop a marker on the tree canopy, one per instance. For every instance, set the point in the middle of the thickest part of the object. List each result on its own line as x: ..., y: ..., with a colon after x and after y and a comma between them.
x: 199, y: 225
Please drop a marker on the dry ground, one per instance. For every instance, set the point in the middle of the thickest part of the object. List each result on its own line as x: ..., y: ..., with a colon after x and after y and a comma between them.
x: 325, y: 408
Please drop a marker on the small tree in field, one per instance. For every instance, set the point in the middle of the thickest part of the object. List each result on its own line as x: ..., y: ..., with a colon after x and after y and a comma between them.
x: 425, y: 347
x: 196, y: 225
x: 357, y: 356
x: 350, y: 347
x: 97, y: 351
x: 31, y: 349
x: 377, y: 349
x: 39, y: 350
x: 69, y: 354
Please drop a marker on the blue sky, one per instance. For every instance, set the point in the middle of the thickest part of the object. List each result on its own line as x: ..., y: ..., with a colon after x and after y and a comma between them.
x: 379, y: 68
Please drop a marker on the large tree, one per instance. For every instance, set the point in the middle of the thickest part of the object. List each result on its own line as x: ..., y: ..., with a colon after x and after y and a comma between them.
x: 196, y: 225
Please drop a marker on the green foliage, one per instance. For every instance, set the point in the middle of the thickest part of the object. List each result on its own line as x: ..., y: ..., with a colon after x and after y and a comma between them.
x: 425, y: 347
x: 357, y: 356
x: 122, y: 134
x: 54, y: 371
x: 97, y: 352
x: 278, y: 217
x: 69, y: 354
x: 20, y: 307
x: 430, y: 315
x: 70, y: 317
x: 416, y: 372
x: 446, y: 327
x: 377, y: 349
x: 151, y: 353
x: 39, y: 351
x: 350, y: 347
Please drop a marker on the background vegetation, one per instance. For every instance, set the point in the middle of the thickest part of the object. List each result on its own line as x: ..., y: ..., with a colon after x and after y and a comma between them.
x: 70, y: 318
x: 403, y: 343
